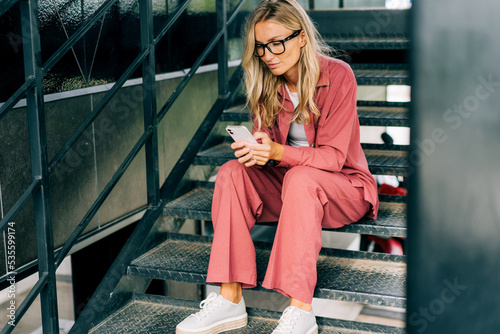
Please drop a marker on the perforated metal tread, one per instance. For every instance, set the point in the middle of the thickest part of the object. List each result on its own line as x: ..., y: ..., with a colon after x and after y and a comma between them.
x: 381, y: 74
x: 363, y: 277
x: 148, y: 314
x: 391, y: 219
x: 380, y: 162
x: 367, y: 43
x: 375, y: 114
x: 383, y: 116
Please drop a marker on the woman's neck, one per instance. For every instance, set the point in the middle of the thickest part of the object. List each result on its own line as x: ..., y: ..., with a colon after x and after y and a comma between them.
x: 292, y: 78
x: 291, y: 89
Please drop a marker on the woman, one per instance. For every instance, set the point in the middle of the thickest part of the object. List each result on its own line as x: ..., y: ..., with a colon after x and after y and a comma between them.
x: 306, y: 121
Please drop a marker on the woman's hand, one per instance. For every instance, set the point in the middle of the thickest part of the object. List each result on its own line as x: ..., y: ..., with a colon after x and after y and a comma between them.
x: 258, y: 154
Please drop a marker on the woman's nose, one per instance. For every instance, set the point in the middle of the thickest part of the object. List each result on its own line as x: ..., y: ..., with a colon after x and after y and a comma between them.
x: 267, y: 56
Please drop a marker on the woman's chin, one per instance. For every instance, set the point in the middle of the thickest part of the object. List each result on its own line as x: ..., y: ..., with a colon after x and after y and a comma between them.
x: 276, y: 71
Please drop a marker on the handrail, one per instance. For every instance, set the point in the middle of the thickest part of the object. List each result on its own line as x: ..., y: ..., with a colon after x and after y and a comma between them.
x: 235, y: 12
x: 41, y: 168
x: 171, y: 20
x: 6, y: 4
x: 11, y: 102
x: 177, y: 91
x: 19, y: 205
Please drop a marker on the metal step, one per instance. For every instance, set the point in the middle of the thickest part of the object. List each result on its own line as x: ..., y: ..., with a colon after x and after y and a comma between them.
x: 149, y: 314
x: 391, y: 220
x: 381, y: 74
x: 380, y: 161
x: 369, y: 114
x: 373, y: 23
x: 361, y: 277
x: 367, y: 42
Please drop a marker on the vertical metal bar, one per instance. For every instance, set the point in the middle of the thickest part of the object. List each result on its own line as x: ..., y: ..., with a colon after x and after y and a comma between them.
x: 222, y: 48
x: 312, y: 4
x: 341, y: 3
x: 453, y: 279
x: 149, y: 92
x: 39, y: 165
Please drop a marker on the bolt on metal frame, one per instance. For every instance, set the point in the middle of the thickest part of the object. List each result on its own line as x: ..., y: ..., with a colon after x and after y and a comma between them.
x: 32, y: 89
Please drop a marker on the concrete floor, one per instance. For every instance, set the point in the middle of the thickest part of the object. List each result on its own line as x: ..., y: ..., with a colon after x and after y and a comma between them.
x: 32, y: 320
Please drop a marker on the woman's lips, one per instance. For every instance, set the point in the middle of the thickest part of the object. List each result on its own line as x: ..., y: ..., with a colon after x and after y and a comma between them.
x: 273, y: 65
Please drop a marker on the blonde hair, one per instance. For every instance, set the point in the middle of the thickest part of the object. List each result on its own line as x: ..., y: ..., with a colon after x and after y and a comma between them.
x: 262, y: 86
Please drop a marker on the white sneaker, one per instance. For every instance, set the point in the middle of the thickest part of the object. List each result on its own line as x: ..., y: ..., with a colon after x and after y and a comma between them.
x: 217, y: 315
x: 296, y: 321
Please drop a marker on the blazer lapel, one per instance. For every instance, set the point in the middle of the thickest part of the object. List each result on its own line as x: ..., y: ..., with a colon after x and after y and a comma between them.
x: 285, y: 116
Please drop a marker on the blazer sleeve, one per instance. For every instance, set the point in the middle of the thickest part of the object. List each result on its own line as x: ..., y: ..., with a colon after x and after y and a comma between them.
x: 335, y: 130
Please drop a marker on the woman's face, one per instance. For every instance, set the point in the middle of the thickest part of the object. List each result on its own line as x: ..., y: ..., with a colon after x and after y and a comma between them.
x: 287, y: 62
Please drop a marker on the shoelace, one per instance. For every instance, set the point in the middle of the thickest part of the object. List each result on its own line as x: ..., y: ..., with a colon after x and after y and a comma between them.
x: 207, y: 306
x: 287, y: 321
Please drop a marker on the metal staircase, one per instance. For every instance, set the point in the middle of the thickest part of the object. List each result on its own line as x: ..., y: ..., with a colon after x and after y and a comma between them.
x: 355, y: 276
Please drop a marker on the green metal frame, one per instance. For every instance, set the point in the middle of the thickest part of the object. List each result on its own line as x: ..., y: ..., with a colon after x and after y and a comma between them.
x: 39, y: 191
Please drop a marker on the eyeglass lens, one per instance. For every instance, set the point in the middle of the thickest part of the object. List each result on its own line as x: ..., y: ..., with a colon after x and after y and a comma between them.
x: 276, y: 48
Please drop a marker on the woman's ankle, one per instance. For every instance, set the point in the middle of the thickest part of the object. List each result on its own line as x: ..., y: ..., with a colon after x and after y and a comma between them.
x: 231, y: 291
x: 303, y: 306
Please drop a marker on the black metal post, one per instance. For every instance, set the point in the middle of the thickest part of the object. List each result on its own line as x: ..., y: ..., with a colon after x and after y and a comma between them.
x: 312, y: 4
x: 453, y: 218
x: 222, y: 48
x: 149, y: 92
x: 341, y: 3
x: 39, y: 168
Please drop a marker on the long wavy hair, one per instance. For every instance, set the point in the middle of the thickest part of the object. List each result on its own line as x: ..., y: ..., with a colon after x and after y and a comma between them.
x: 261, y: 84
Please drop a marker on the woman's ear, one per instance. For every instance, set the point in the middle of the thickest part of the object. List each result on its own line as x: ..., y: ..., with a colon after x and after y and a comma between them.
x: 303, y: 39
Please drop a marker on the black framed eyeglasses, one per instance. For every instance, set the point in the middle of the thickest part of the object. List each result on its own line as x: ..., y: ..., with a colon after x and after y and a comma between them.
x: 275, y: 47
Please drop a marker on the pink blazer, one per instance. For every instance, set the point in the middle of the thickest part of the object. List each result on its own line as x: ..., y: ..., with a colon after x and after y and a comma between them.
x: 334, y: 143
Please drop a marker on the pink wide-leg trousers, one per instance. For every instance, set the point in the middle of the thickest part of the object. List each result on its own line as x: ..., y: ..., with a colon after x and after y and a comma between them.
x: 302, y: 199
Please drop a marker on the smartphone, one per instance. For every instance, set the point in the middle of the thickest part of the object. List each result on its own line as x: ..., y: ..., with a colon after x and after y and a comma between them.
x: 240, y: 133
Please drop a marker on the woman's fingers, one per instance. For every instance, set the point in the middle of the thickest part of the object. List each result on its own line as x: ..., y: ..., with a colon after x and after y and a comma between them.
x: 260, y: 160
x: 241, y: 152
x: 262, y: 150
x: 251, y: 154
x: 245, y: 158
x: 261, y: 153
x: 250, y: 163
x: 237, y: 145
x: 264, y: 137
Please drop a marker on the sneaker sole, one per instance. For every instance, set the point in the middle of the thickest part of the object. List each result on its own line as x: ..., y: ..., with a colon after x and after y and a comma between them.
x: 313, y: 330
x: 221, y: 326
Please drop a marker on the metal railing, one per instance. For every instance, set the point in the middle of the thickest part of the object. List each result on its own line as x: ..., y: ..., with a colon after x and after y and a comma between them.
x: 157, y: 196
